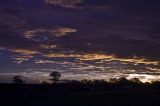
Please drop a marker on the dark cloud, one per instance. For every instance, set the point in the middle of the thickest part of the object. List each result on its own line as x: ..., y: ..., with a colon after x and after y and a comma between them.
x: 123, y: 29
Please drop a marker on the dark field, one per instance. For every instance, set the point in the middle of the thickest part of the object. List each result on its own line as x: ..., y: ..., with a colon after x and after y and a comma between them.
x: 95, y: 93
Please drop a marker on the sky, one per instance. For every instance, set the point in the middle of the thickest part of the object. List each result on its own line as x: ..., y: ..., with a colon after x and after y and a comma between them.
x: 81, y: 39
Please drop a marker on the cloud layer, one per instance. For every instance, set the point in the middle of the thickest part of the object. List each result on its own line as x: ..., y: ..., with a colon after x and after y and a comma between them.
x: 85, y: 38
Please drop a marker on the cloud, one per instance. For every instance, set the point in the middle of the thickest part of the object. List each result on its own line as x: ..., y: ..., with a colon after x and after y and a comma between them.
x: 105, y: 57
x: 46, y: 46
x: 138, y: 61
x: 58, y: 32
x: 20, y: 56
x: 144, y: 77
x: 21, y: 59
x: 25, y: 51
x: 82, y: 57
x: 154, y: 69
x: 65, y: 3
x: 45, y: 62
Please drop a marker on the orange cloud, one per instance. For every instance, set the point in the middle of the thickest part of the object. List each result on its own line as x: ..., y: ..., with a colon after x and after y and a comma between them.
x: 48, y: 46
x: 25, y: 51
x: 105, y: 57
x: 58, y: 32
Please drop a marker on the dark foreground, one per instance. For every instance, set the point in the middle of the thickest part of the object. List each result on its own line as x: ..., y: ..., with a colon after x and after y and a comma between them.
x: 80, y: 94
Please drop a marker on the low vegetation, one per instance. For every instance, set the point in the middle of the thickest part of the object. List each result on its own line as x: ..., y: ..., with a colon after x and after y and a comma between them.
x: 120, y: 91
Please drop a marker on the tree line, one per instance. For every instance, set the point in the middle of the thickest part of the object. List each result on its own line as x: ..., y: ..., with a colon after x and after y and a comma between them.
x: 55, y: 75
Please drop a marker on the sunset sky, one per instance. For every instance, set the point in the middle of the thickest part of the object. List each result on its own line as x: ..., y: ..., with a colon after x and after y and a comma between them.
x: 82, y: 39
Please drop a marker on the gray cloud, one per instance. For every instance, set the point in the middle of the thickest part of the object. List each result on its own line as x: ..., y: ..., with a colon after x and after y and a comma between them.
x: 65, y: 3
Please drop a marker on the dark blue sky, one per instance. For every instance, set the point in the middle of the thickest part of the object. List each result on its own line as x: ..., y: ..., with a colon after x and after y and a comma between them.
x: 80, y: 38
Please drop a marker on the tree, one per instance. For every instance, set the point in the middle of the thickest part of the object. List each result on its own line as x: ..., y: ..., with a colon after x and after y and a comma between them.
x: 55, y: 76
x: 135, y: 80
x: 113, y: 80
x: 18, y: 79
x: 123, y: 80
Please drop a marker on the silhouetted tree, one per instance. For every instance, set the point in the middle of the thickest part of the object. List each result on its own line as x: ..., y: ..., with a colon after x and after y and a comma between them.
x: 155, y: 84
x: 123, y: 80
x: 55, y: 76
x: 99, y: 81
x: 135, y: 80
x: 113, y: 80
x: 18, y: 79
x: 84, y: 81
x: 45, y: 83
